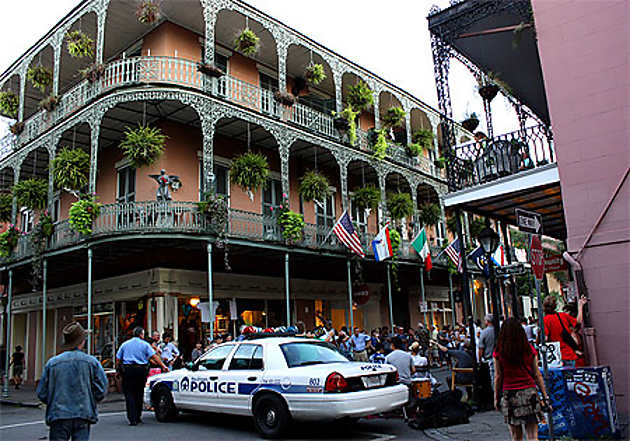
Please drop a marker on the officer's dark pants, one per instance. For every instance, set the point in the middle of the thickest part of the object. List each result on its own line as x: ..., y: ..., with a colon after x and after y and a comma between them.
x: 134, y: 377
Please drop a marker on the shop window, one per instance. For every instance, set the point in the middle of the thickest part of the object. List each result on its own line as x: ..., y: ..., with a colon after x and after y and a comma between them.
x: 26, y: 220
x: 247, y: 357
x: 268, y: 83
x: 126, y: 185
x: 215, y: 359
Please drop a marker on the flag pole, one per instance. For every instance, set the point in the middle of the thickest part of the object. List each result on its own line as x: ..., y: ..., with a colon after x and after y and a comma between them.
x: 424, y: 300
x: 350, y: 295
x: 389, y: 296
x: 331, y: 230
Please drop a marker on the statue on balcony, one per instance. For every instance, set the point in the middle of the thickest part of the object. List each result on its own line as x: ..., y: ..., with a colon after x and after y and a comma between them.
x: 166, y: 183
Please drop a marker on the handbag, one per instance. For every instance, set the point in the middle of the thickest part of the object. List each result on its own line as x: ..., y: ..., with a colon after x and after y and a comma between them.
x: 567, y: 338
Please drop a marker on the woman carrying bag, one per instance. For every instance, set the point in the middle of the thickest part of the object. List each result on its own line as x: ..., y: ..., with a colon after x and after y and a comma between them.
x: 516, y: 378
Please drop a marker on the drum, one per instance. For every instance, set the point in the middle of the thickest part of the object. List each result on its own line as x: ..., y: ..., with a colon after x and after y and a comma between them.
x: 421, y: 388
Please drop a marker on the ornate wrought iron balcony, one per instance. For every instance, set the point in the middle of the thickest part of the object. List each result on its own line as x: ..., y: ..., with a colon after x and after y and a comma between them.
x: 489, y: 159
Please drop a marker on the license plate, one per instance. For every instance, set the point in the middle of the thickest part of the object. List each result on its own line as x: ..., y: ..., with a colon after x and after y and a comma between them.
x: 373, y: 381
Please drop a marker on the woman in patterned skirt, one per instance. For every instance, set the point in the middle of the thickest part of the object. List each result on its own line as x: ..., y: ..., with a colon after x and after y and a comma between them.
x: 515, y: 381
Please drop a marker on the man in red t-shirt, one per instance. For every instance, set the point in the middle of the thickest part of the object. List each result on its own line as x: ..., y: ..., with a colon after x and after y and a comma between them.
x: 555, y: 322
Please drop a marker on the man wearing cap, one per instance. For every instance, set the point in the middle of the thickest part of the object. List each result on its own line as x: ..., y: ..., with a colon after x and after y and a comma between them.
x: 71, y: 385
x: 132, y: 360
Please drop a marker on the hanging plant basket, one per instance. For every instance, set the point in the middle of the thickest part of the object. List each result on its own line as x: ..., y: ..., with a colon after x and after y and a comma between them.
x: 360, y: 96
x: 8, y: 241
x: 9, y: 104
x: 315, y: 74
x: 215, y: 208
x: 476, y: 226
x: 292, y: 225
x: 284, y: 98
x: 79, y: 44
x: 424, y: 138
x: 367, y: 197
x: 143, y: 145
x: 210, y: 69
x: 6, y: 207
x: 39, y: 241
x: 93, y: 72
x: 394, y: 117
x: 314, y: 187
x: 400, y: 206
x: 247, y: 42
x: 71, y: 169
x: 31, y: 193
x: 471, y: 122
x: 430, y: 214
x: 148, y: 12
x: 40, y: 77
x: 49, y: 103
x: 377, y: 140
x: 17, y: 128
x: 83, y: 213
x: 250, y: 171
x: 489, y: 91
x: 350, y: 115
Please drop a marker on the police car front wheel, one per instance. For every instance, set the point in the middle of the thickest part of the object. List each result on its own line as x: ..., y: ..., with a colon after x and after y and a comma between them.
x: 271, y: 416
x: 165, y: 410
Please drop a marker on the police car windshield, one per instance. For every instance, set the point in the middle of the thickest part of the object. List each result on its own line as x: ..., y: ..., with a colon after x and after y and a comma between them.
x: 309, y: 353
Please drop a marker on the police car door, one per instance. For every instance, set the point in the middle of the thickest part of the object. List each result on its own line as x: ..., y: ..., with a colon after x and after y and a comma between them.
x: 199, y: 389
x: 243, y: 375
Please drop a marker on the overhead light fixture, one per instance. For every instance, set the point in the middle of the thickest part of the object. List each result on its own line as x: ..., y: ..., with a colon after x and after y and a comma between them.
x: 194, y: 301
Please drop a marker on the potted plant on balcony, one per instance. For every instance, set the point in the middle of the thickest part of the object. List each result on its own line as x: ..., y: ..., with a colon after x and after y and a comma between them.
x: 360, y: 96
x: 39, y: 240
x: 31, y: 193
x: 414, y: 149
x: 367, y: 198
x: 440, y: 163
x: 17, y: 128
x: 424, y: 138
x: 209, y: 69
x: 315, y: 74
x: 49, y: 103
x: 247, y: 42
x: 148, y: 12
x: 377, y: 140
x: 394, y: 117
x: 6, y: 207
x: 143, y: 145
x: 93, y: 72
x: 79, y: 44
x: 488, y: 91
x: 314, y: 187
x: 9, y: 240
x: 292, y: 225
x: 9, y: 104
x: 215, y: 208
x: 250, y: 172
x: 430, y: 214
x: 476, y: 226
x: 400, y: 206
x: 396, y: 239
x: 40, y: 77
x: 83, y: 213
x: 470, y: 122
x: 285, y: 98
x: 71, y: 169
x: 350, y: 116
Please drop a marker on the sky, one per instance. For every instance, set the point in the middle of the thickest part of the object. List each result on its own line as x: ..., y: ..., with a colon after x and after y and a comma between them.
x: 391, y: 42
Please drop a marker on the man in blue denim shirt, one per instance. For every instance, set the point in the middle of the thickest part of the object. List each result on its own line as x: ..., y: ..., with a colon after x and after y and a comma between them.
x: 71, y: 385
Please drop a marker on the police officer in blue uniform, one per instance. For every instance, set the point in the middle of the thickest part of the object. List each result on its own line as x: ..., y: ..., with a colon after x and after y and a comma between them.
x: 132, y: 360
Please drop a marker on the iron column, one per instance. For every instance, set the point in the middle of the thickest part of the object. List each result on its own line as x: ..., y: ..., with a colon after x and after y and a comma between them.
x: 210, y: 291
x: 5, y: 389
x: 389, y: 297
x: 44, y: 301
x: 286, y: 288
x: 424, y: 300
x: 450, y: 290
x: 350, y: 295
x: 89, y: 303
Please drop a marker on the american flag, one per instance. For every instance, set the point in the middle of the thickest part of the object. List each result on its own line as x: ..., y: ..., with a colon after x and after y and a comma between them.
x: 345, y: 232
x: 454, y: 252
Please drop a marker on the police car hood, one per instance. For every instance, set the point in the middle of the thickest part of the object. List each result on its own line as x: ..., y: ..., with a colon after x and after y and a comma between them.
x: 347, y: 369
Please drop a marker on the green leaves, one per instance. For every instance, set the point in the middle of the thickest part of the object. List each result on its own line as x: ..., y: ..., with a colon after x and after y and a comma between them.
x: 247, y: 42
x: 250, y: 171
x: 380, y: 145
x: 144, y: 145
x: 215, y: 206
x: 360, y: 96
x: 8, y: 241
x: 71, y: 169
x: 430, y: 214
x: 367, y: 197
x: 79, y: 44
x: 314, y: 187
x: 31, y: 193
x: 6, y: 207
x: 40, y: 77
x: 9, y: 104
x: 315, y: 74
x: 400, y: 206
x: 83, y: 213
x: 394, y: 117
x: 292, y: 225
x: 148, y: 12
x: 424, y: 138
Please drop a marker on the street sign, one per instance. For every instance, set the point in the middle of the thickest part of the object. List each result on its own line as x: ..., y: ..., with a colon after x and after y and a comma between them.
x: 536, y: 257
x: 424, y: 306
x: 554, y: 262
x: 528, y: 221
x: 507, y: 270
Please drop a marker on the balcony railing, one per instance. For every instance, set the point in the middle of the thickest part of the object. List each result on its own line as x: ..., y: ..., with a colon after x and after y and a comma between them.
x: 184, y: 217
x: 182, y: 72
x: 487, y: 160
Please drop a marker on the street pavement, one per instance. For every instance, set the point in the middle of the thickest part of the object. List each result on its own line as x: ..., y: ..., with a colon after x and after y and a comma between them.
x: 27, y: 423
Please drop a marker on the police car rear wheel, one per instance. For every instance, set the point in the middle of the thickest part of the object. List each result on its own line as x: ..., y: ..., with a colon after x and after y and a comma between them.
x: 271, y: 416
x: 165, y: 410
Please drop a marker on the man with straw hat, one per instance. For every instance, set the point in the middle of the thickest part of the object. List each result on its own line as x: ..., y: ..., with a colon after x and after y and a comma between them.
x: 71, y: 385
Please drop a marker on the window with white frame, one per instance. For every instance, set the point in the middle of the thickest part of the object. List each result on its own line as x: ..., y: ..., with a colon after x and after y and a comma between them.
x: 55, y: 209
x: 126, y: 191
x: 272, y: 196
x: 359, y: 217
x: 26, y: 219
x: 325, y: 212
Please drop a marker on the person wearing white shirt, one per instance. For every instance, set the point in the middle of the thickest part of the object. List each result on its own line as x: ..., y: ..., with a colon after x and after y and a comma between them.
x: 170, y: 353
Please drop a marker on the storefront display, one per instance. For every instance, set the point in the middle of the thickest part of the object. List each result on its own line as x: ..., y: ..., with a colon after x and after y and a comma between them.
x: 102, y: 337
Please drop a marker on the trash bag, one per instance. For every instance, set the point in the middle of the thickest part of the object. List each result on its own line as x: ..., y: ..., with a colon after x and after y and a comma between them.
x: 441, y: 410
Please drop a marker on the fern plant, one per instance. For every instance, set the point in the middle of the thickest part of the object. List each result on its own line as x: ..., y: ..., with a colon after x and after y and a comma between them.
x: 40, y: 77
x: 292, y: 225
x: 400, y: 206
x: 360, y: 96
x: 250, y: 171
x: 79, y: 44
x: 83, y: 213
x: 367, y: 197
x: 71, y: 169
x: 413, y: 149
x: 350, y: 115
x: 6, y: 207
x: 247, y: 42
x: 379, y: 144
x: 424, y: 138
x: 430, y: 214
x: 314, y: 187
x: 143, y: 145
x: 394, y: 117
x: 315, y: 74
x: 8, y: 241
x: 9, y: 104
x: 31, y: 193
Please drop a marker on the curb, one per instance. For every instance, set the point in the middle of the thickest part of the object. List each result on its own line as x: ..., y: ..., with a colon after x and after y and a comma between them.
x: 19, y: 403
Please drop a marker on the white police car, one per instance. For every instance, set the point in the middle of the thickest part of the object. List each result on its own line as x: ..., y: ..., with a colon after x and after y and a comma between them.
x: 277, y: 380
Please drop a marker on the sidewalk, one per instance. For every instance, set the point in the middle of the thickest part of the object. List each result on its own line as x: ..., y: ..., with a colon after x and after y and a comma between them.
x: 26, y: 397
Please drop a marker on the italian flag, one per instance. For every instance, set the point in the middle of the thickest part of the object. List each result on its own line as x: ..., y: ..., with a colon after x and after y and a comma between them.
x: 421, y: 245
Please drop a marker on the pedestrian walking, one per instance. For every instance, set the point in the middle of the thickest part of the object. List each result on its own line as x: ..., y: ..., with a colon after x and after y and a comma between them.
x: 71, y: 385
x: 132, y: 360
x: 360, y: 343
x: 17, y: 361
x: 487, y: 341
x: 516, y: 378
x: 560, y: 325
